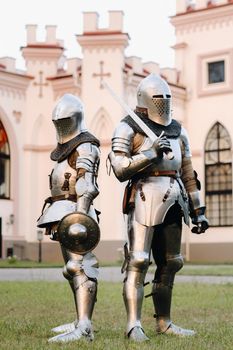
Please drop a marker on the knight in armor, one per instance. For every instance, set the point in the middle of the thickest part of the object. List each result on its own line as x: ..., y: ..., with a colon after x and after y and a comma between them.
x: 69, y: 216
x: 162, y: 190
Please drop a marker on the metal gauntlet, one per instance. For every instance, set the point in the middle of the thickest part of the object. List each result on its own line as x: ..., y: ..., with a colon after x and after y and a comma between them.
x: 124, y: 164
x: 197, y: 213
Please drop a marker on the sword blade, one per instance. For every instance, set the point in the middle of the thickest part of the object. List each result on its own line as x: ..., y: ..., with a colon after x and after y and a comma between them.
x: 131, y: 113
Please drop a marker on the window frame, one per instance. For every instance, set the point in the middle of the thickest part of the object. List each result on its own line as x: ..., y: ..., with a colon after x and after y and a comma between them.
x: 5, y: 156
x: 225, y: 191
x: 204, y: 88
x: 209, y: 72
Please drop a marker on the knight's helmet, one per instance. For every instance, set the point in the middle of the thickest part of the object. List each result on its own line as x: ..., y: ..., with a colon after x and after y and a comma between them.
x: 68, y: 118
x: 154, y: 94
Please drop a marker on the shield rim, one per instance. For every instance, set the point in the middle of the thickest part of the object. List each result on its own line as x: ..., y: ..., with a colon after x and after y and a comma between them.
x: 90, y: 219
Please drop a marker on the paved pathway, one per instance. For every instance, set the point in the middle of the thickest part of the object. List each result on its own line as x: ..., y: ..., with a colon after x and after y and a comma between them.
x: 111, y: 274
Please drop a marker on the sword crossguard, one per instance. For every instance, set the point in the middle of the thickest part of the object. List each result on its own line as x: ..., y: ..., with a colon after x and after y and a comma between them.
x: 169, y: 155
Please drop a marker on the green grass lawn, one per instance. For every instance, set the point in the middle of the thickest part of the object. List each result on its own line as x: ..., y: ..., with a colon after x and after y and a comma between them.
x: 13, y: 263
x: 207, y: 270
x: 204, y: 270
x: 30, y: 309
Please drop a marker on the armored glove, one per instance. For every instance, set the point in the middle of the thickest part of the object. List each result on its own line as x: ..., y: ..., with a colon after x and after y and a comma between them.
x: 160, y: 146
x: 199, y: 220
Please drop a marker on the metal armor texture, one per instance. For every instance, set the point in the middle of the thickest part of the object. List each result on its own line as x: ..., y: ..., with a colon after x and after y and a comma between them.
x: 160, y: 193
x: 69, y: 216
x: 154, y: 94
x: 78, y: 232
x: 68, y: 118
x: 150, y: 210
x: 73, y: 186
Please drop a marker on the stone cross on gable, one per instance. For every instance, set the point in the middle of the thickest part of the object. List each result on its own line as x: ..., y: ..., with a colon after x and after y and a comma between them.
x: 101, y: 74
x: 40, y: 84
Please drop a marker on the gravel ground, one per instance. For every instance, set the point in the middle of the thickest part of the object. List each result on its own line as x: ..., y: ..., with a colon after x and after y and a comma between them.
x: 111, y: 274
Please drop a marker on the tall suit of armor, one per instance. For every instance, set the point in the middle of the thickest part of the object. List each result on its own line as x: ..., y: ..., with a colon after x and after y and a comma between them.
x: 73, y: 188
x: 162, y: 189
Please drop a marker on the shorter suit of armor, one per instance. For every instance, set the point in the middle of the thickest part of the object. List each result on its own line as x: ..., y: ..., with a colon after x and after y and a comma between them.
x: 162, y: 189
x: 73, y: 188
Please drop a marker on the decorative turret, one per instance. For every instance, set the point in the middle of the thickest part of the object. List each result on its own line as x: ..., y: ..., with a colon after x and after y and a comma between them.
x: 183, y: 6
x: 46, y: 53
x: 103, y: 58
x: 95, y: 37
x: 8, y: 63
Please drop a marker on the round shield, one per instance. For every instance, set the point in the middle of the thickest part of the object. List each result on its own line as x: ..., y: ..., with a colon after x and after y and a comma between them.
x: 78, y: 232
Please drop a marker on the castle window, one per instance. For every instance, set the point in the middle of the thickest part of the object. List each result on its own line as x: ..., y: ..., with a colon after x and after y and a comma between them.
x: 4, y: 164
x: 218, y: 176
x: 216, y: 72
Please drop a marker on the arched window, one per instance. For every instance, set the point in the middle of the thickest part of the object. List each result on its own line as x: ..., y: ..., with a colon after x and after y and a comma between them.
x: 218, y: 176
x: 4, y: 163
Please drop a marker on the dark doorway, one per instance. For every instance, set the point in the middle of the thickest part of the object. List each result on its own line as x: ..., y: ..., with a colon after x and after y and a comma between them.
x: 0, y: 238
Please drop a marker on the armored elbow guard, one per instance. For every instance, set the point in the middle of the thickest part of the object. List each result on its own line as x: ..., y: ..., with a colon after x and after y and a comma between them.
x: 88, y: 158
x: 87, y: 190
x: 124, y: 167
x: 87, y: 168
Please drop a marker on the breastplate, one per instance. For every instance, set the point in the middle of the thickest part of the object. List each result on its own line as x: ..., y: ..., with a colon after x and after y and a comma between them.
x: 62, y: 179
x: 164, y: 163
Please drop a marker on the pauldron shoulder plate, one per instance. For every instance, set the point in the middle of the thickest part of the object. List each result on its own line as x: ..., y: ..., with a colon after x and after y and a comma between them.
x: 172, y: 130
x: 62, y: 151
x: 122, y: 138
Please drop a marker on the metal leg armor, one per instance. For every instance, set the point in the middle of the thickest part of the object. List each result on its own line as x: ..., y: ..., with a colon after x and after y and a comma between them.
x: 166, y: 252
x: 140, y: 238
x: 67, y: 327
x: 83, y: 271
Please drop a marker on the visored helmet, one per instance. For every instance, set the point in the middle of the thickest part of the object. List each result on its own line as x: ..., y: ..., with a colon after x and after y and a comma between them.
x: 154, y: 94
x: 68, y: 118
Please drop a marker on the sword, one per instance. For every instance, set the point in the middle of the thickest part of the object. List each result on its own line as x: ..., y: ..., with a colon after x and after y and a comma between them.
x: 136, y: 118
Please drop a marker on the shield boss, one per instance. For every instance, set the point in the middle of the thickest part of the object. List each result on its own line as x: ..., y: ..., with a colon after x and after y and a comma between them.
x: 78, y: 232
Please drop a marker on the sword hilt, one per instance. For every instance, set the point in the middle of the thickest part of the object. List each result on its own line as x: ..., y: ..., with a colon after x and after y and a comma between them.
x: 169, y: 155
